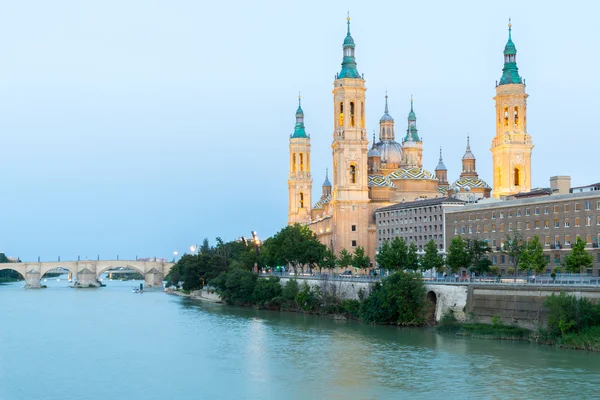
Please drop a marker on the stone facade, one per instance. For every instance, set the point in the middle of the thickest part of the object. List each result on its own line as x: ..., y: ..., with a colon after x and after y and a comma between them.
x: 557, y: 219
x: 415, y: 221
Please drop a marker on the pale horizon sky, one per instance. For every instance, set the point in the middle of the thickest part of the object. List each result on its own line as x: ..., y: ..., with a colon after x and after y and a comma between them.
x: 137, y: 128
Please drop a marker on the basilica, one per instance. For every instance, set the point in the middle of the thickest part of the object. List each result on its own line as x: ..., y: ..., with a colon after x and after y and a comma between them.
x: 389, y: 170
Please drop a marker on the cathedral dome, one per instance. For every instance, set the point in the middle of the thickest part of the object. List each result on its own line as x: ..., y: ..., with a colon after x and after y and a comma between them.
x: 390, y: 150
x: 469, y: 182
x: 373, y: 152
x: 411, y: 173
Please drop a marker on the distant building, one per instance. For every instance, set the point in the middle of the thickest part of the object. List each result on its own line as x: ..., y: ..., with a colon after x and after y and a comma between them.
x: 558, y: 219
x: 415, y: 221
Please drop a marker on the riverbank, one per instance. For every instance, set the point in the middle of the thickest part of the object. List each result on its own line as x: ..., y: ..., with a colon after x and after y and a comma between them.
x: 587, y: 339
x: 201, y: 295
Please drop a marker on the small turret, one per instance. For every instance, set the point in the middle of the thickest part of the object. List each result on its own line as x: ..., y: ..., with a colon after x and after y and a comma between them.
x: 299, y: 130
x: 468, y: 162
x: 349, y: 69
x: 441, y: 172
x: 510, y: 72
x: 374, y: 158
x: 326, y: 187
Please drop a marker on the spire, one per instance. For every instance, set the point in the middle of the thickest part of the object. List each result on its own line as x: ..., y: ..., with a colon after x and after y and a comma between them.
x: 349, y: 62
x: 326, y: 183
x: 386, y: 114
x: 411, y: 131
x: 299, y: 131
x: 441, y: 166
x: 510, y: 72
x: 468, y: 155
x: 373, y: 152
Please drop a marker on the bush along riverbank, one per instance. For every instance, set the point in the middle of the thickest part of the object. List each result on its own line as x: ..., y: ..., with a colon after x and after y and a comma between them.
x: 572, y: 323
x: 398, y: 300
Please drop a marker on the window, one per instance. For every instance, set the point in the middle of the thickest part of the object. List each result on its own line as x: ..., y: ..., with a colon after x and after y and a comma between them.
x: 353, y: 173
x: 518, y: 212
x: 501, y: 227
x: 301, y: 202
x: 546, y: 224
x: 547, y: 242
x: 577, y: 221
x: 576, y: 207
x: 510, y: 214
x: 555, y: 209
x: 567, y: 239
x: 598, y: 205
x: 510, y: 226
x: 557, y: 240
x: 301, y: 162
x: 598, y: 220
x: 546, y: 210
x: 462, y: 230
x: 341, y: 114
x: 528, y: 225
x: 537, y: 224
x: 519, y: 225
x: 567, y: 222
x: 470, y: 229
x: 493, y: 214
x: 351, y: 113
x: 537, y: 211
x: 556, y: 223
x: 501, y: 214
x: 485, y: 228
x: 587, y: 206
x: 566, y: 208
x: 588, y: 221
x: 517, y: 177
x: 527, y: 212
x: 493, y: 227
x: 353, y: 228
x: 354, y: 243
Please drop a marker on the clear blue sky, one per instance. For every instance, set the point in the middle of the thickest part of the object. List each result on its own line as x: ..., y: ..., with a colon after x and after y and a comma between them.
x: 140, y: 127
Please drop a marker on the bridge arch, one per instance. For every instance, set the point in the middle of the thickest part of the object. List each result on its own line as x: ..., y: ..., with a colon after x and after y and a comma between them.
x: 9, y: 266
x: 432, y: 311
x: 50, y: 268
x: 127, y: 265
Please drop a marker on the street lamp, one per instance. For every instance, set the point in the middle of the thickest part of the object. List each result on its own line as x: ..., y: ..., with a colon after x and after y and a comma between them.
x: 193, y: 248
x: 175, y: 253
x: 257, y: 244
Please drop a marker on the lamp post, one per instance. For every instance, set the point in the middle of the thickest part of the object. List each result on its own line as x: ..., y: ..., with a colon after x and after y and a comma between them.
x: 257, y: 244
x: 175, y: 253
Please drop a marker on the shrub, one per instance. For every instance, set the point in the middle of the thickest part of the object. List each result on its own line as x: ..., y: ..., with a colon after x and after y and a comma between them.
x: 398, y: 299
x: 307, y: 298
x: 351, y: 308
x: 236, y: 286
x: 266, y: 290
x: 568, y: 314
x: 497, y: 321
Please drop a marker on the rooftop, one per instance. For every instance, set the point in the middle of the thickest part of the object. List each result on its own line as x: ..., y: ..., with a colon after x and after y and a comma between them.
x: 421, y: 203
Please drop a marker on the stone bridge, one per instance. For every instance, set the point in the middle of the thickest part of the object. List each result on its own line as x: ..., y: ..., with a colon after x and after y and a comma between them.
x: 86, y: 273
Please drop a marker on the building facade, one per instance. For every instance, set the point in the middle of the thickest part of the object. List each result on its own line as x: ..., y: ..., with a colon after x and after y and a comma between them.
x: 364, y: 177
x: 415, y: 221
x: 512, y: 146
x: 557, y: 219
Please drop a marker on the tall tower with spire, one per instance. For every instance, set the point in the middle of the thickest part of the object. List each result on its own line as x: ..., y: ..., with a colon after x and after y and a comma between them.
x: 299, y: 181
x: 350, y: 197
x: 441, y: 172
x: 512, y: 146
x: 412, y: 146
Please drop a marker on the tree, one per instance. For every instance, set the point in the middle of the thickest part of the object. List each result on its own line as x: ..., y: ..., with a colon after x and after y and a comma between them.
x: 431, y: 259
x: 458, y: 256
x: 533, y: 257
x: 514, y: 246
x: 385, y: 256
x: 578, y: 259
x: 400, y: 252
x: 412, y: 258
x: 345, y: 259
x: 477, y: 250
x: 293, y: 245
x: 359, y: 259
x: 329, y: 260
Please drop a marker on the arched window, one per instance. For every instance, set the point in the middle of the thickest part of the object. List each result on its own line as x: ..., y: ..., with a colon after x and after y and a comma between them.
x: 341, y: 114
x: 307, y: 162
x: 301, y: 162
x: 293, y: 162
x: 517, y: 177
x: 301, y: 200
x: 516, y: 116
x: 351, y: 113
x: 353, y: 173
x: 505, y: 115
x: 362, y: 114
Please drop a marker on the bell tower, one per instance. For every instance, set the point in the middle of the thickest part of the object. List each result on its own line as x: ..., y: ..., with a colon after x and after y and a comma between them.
x: 299, y: 181
x: 512, y: 146
x: 350, y: 146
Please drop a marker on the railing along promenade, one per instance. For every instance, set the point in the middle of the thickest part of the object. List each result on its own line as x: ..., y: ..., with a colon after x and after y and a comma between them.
x: 568, y: 280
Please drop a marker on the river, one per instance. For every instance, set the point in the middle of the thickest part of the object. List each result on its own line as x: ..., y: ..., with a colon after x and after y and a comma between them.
x: 109, y: 343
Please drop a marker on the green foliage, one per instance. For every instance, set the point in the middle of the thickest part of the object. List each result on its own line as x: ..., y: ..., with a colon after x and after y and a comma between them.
x: 458, y: 255
x: 236, y: 286
x: 290, y: 290
x: 345, y: 259
x: 514, y: 247
x: 294, y: 245
x: 431, y: 259
x: 578, y: 259
x: 308, y: 298
x: 398, y: 299
x: 393, y: 255
x: 495, y: 270
x: 329, y: 259
x: 3, y: 258
x: 497, y: 321
x: 533, y: 257
x: 412, y: 258
x: 266, y: 290
x: 478, y: 260
x: 351, y: 308
x: 359, y: 259
x: 568, y: 314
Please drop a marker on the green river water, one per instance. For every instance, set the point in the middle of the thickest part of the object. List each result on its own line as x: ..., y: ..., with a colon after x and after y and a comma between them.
x: 109, y: 343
